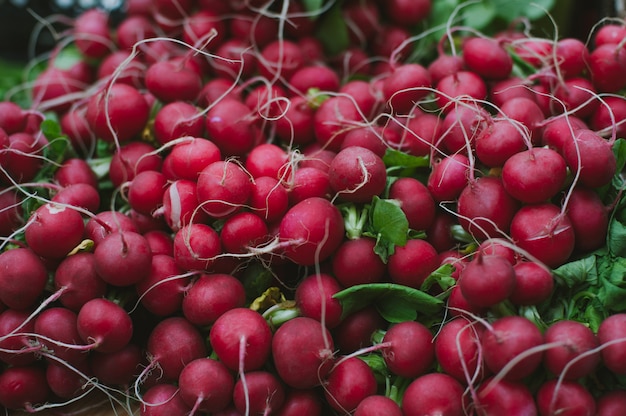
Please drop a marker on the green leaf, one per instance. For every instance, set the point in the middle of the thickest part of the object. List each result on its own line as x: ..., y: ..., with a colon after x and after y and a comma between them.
x: 395, y: 303
x: 397, y: 159
x: 616, y: 238
x: 578, y: 272
x: 312, y: 5
x: 332, y: 30
x: 388, y: 225
x: 479, y: 15
x: 442, y: 277
x: 51, y: 129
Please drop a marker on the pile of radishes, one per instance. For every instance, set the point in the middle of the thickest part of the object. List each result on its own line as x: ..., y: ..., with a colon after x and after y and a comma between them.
x: 205, y: 211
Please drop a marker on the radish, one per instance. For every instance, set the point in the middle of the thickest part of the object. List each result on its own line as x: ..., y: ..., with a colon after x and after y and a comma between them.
x: 180, y: 205
x: 448, y: 177
x: 355, y: 262
x: 74, y: 171
x: 107, y: 222
x: 59, y: 325
x: 408, y: 13
x: 298, y: 402
x: 77, y: 281
x: 485, y: 208
x: 545, y: 232
x: 296, y: 124
x: 423, y: 130
x: 416, y: 202
x: 406, y: 86
x: 66, y: 382
x: 565, y: 398
x: 171, y: 345
x: 458, y: 350
x: 189, y: 157
x: 463, y: 124
x: 302, y: 350
x: 357, y: 174
x: 21, y: 159
x: 230, y: 125
x: 314, y: 299
x: 572, y: 56
x: 280, y: 58
x: 576, y: 94
x: 196, y: 247
x: 242, y: 339
x: 487, y: 280
x: 177, y: 119
x: 269, y: 199
x: 92, y: 35
x: 258, y: 393
x: 163, y: 400
x: 54, y: 230
x: 145, y: 191
x: 506, y: 339
x: 160, y: 241
x: 501, y: 141
x: 459, y: 86
x: 512, y: 87
x: 410, y: 350
x: 10, y: 212
x: 412, y: 263
x: 210, y: 296
x: 487, y: 58
x: 12, y: 118
x: 117, y: 113
x: 333, y: 119
x: 610, y: 116
x: 312, y: 230
x: 243, y: 231
x: 206, y: 385
x: 131, y: 159
x: 375, y: 405
x: 266, y: 159
x: 23, y: 387
x: 576, y: 338
x: 356, y: 330
x: 104, y: 325
x: 314, y: 76
x: 606, y: 63
x: 433, y: 394
x: 610, y: 332
x: 349, y: 382
x: 161, y: 292
x: 527, y: 112
x: 123, y: 258
x: 612, y: 403
x: 223, y: 188
x: 589, y: 218
x: 23, y: 278
x: 534, y: 175
x: 173, y: 80
x: 533, y: 284
x: 590, y: 157
x: 203, y: 25
x: 309, y: 182
x: 117, y: 368
x: 557, y: 131
x: 18, y: 348
x: 79, y: 195
x: 503, y: 397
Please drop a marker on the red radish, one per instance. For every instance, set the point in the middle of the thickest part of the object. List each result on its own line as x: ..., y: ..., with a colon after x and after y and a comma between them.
x: 54, y: 230
x: 223, y: 188
x: 412, y: 263
x: 313, y: 229
x: 172, y: 80
x: 117, y: 368
x: 589, y: 218
x: 355, y: 262
x: 610, y: 332
x: 20, y: 160
x: 107, y: 222
x: 375, y: 405
x: 411, y: 350
x: 487, y: 280
x: 534, y: 175
x: 237, y: 54
x: 280, y: 58
x: 104, y: 325
x: 196, y: 247
x: 533, y: 284
x: 448, y: 177
x: 576, y: 338
x: 333, y: 119
x: 76, y: 276
x: 503, y: 397
x: 23, y: 278
x: 18, y: 347
x: 210, y: 296
x: 163, y: 400
x: 65, y: 382
x: 266, y: 159
x: 177, y: 119
x: 258, y: 393
x: 572, y: 56
x: 298, y: 402
x: 512, y: 87
x: 355, y: 331
x: 363, y: 21
x: 314, y: 76
x: 180, y: 205
x: 606, y: 63
x: 145, y: 191
x: 415, y: 201
x: 506, y: 339
x: 500, y: 141
x: 188, y: 158
x: 463, y: 125
x: 309, y: 182
x: 202, y: 26
x: 612, y: 403
x: 123, y: 258
x: 254, y: 29
x: 314, y: 298
x: 458, y: 350
x: 10, y: 211
x: 302, y: 350
x: 444, y: 65
x: 172, y: 344
x: 12, y: 118
x: 610, y: 115
x: 609, y: 33
x: 591, y: 157
x: 23, y: 387
x: 243, y: 231
x: 545, y: 232
x: 269, y: 199
x: 56, y: 87
x: 406, y: 86
x: 435, y: 394
x: 79, y: 195
x: 160, y: 295
x: 59, y: 324
x: 134, y: 28
x: 525, y: 111
x: 568, y: 398
x: 230, y: 125
x: 160, y: 241
x: 422, y: 132
x: 117, y: 113
x: 392, y: 42
x: 317, y: 156
x: 349, y: 382
x: 576, y: 94
x: 409, y: 13
x: 357, y: 174
x: 74, y: 171
x: 487, y: 58
x: 242, y: 339
x: 485, y: 209
x: 126, y: 69
x: 131, y: 159
x: 459, y: 86
x: 495, y: 247
x: 296, y: 124
x: 559, y: 130
x: 91, y: 30
x: 206, y: 385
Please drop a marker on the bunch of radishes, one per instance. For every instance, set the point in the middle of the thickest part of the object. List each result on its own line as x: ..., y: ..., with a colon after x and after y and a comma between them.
x: 210, y: 208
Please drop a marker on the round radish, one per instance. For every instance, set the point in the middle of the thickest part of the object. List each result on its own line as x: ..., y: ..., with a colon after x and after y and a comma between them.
x: 355, y: 331
x: 54, y: 230
x: 76, y: 276
x: 91, y: 30
x: 504, y: 397
x: 487, y: 58
x: 159, y: 294
x: 433, y: 394
x: 258, y: 393
x: 589, y: 218
x: 172, y: 80
x: 533, y: 284
x: 375, y: 405
x: 223, y: 188
x: 568, y: 398
x: 15, y: 344
x: 411, y: 350
x: 487, y: 280
x: 230, y: 125
x: 117, y: 368
x: 211, y: 296
x: 206, y: 385
x: 23, y: 278
x: 163, y: 400
x: 349, y: 382
x: 357, y: 174
x: 576, y: 339
x: 123, y: 258
x: 611, y: 330
x: 406, y: 86
x: 314, y: 298
x: 591, y: 157
x: 131, y: 159
x: 416, y: 202
x: 457, y: 349
x: 177, y: 119
x: 448, y: 177
x: 188, y: 158
x: 104, y: 325
x: 612, y: 403
x: 355, y: 262
x: 412, y: 263
x: 196, y: 247
x: 23, y: 387
x: 145, y: 191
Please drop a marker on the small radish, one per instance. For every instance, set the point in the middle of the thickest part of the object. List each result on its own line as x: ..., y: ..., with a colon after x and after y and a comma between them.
x: 356, y: 330
x: 314, y: 298
x: 298, y: 402
x: 163, y: 400
x: 145, y: 191
x: 104, y: 325
x: 487, y: 58
x: 132, y: 158
x: 54, y: 230
x: 611, y: 330
x: 117, y: 368
x: 589, y: 218
x: 433, y: 394
x: 415, y: 201
x: 533, y: 284
x: 357, y: 174
x: 412, y: 263
x: 258, y: 393
x: 206, y: 385
x: 77, y: 279
x: 177, y: 119
x: 196, y: 247
x: 487, y: 280
x: 612, y: 403
x: 567, y: 398
x: 23, y: 387
x: 503, y: 397
x: 212, y: 295
x: 590, y: 157
x: 172, y: 80
x: 162, y: 290
x: 189, y: 157
x: 375, y: 405
x: 448, y: 177
x: 223, y: 188
x: 23, y: 277
x: 576, y: 338
x: 411, y: 350
x: 91, y: 30
x: 406, y: 86
x: 355, y: 262
x: 457, y: 349
x: 123, y: 258
x: 349, y: 382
